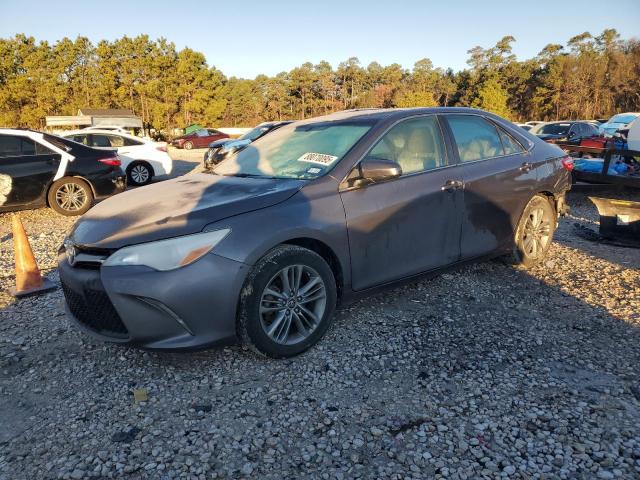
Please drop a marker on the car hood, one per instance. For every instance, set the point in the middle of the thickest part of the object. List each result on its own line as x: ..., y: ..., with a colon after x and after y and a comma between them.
x: 176, y: 207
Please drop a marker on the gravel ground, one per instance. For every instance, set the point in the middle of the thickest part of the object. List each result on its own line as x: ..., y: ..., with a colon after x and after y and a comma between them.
x: 487, y: 372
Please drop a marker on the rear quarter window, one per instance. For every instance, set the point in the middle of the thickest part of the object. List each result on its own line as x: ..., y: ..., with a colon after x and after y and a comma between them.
x: 129, y: 142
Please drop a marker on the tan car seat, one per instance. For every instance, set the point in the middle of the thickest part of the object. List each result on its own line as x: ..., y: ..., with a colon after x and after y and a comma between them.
x: 419, y: 153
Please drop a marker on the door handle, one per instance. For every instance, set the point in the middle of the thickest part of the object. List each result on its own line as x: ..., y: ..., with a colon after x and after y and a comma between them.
x: 525, y: 167
x: 451, y: 185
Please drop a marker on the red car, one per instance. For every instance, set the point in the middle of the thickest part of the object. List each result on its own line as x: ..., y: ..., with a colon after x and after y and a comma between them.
x: 198, y: 139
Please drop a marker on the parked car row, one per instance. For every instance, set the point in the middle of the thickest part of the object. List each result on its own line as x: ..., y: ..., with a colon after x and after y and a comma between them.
x: 574, y: 131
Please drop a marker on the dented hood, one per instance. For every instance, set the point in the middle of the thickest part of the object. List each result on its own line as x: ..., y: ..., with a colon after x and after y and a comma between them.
x: 176, y: 207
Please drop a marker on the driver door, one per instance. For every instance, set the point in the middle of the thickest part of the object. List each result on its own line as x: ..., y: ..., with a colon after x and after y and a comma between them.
x: 410, y: 224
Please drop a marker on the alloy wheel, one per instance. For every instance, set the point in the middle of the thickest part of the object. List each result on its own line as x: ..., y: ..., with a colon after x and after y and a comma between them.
x: 292, y: 304
x: 71, y: 197
x: 536, y: 233
x: 140, y: 174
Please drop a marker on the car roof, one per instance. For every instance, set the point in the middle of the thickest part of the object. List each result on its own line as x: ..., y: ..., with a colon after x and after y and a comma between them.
x: 377, y: 114
x: 19, y: 131
x: 104, y: 132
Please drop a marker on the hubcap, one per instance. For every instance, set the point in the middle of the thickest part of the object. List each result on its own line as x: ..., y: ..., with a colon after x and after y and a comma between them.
x: 293, y: 304
x: 536, y: 233
x: 71, y: 197
x: 140, y: 174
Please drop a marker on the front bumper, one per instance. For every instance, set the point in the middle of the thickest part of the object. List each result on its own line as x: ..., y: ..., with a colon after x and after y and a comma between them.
x: 189, y: 307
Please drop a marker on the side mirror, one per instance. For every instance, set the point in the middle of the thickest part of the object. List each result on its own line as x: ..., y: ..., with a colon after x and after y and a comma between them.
x: 375, y: 170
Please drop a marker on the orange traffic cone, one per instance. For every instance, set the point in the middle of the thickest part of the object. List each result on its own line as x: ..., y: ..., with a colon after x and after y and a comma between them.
x: 28, y: 278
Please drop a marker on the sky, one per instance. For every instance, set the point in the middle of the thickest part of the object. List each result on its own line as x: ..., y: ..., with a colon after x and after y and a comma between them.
x: 247, y: 38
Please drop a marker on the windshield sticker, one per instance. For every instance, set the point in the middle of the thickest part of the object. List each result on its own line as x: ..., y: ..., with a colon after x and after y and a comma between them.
x: 314, y: 170
x: 319, y: 158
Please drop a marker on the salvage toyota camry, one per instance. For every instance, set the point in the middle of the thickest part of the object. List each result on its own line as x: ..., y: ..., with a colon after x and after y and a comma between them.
x: 318, y: 212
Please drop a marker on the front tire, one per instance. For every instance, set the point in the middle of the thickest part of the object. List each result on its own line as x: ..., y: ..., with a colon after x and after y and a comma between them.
x: 188, y: 145
x: 534, y: 233
x: 139, y: 174
x: 70, y: 196
x: 287, y: 302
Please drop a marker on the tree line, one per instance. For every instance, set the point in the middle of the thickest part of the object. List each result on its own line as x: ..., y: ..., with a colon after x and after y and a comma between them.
x: 589, y: 77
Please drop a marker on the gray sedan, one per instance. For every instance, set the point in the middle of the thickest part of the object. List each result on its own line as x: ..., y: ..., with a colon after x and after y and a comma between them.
x: 318, y: 212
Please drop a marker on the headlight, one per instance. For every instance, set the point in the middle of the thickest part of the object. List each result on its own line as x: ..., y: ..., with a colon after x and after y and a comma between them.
x: 168, y: 254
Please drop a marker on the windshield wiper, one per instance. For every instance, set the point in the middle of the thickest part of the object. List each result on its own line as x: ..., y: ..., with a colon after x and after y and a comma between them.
x: 246, y: 175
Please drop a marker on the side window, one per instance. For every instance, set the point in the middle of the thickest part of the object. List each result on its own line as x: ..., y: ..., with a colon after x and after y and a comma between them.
x: 116, y: 141
x: 475, y: 137
x: 28, y: 146
x: 42, y: 150
x: 416, y: 145
x: 510, y: 145
x: 574, y: 130
x: 80, y: 139
x: 100, y: 140
x: 129, y: 142
x: 10, y: 146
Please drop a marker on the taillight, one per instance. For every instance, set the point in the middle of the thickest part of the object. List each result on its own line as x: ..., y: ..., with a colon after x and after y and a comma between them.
x: 567, y: 163
x: 162, y: 148
x: 111, y: 161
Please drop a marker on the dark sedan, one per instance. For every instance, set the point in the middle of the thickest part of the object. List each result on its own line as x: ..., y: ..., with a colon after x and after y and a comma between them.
x: 198, y: 139
x: 318, y: 212
x: 571, y: 133
x: 38, y: 169
x: 221, y: 149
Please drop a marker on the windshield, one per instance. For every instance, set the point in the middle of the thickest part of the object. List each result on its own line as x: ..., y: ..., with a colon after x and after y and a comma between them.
x: 254, y: 133
x: 554, y: 129
x: 296, y: 151
x: 623, y: 118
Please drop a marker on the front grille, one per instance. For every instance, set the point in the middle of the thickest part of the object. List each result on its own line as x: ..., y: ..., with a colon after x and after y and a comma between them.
x: 94, y: 310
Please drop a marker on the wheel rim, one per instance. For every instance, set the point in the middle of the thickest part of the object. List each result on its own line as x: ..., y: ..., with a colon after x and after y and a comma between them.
x: 71, y: 197
x: 140, y: 174
x: 188, y: 146
x: 536, y: 233
x: 293, y: 304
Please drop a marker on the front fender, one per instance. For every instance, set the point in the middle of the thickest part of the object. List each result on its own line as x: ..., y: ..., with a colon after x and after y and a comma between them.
x: 309, y: 214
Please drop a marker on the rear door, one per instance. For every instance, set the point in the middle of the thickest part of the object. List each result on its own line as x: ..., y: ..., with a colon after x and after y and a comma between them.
x: 26, y: 170
x: 410, y: 224
x: 499, y: 176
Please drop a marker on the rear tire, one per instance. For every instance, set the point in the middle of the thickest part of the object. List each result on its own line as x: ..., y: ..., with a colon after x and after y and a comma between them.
x: 534, y: 233
x: 139, y: 174
x: 287, y: 302
x: 70, y: 196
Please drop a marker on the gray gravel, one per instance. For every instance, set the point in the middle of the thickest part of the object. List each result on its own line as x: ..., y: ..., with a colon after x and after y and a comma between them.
x: 488, y: 372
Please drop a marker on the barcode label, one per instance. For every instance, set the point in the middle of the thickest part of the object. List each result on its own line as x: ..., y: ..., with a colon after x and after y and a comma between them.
x: 319, y: 158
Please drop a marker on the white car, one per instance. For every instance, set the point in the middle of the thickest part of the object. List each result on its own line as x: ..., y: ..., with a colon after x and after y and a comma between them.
x: 142, y: 159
